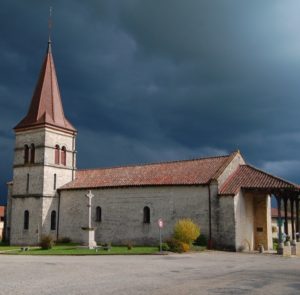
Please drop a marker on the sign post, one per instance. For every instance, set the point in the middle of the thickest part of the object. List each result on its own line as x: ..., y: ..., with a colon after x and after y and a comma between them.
x: 160, y: 226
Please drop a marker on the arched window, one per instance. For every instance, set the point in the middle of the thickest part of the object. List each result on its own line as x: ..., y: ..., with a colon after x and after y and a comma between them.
x: 98, y: 214
x: 53, y: 220
x: 26, y: 154
x: 26, y: 219
x: 64, y: 155
x: 32, y: 153
x: 146, y: 214
x: 56, y: 155
x: 27, y: 182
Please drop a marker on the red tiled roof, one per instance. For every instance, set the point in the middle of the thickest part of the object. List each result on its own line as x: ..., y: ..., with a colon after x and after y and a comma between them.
x: 2, y: 208
x: 188, y: 172
x: 46, y: 105
x: 274, y: 213
x: 248, y: 177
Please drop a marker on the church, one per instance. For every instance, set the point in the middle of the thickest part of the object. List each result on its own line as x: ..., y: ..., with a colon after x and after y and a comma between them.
x: 229, y: 199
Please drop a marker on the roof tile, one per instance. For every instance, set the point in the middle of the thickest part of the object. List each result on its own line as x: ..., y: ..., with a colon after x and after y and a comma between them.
x: 188, y: 172
x: 248, y: 177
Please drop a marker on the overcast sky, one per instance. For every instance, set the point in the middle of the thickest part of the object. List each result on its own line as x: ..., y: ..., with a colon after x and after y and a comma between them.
x: 158, y: 80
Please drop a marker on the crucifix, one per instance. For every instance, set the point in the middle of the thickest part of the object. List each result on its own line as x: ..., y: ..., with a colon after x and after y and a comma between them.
x: 89, y: 195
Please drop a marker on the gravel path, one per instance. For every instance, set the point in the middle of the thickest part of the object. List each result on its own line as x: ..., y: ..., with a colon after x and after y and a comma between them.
x: 203, y: 273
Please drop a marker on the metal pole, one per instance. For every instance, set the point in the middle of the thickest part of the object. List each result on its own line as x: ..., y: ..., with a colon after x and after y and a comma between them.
x: 160, y: 244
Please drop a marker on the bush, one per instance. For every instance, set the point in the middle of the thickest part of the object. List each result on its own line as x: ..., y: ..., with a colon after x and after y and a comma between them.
x: 129, y: 245
x: 186, y: 231
x: 46, y: 242
x: 185, y: 247
x: 201, y: 241
x: 64, y: 240
x: 175, y: 246
x: 164, y: 247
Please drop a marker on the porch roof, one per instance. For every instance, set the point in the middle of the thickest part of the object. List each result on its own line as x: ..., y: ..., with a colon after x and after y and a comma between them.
x: 250, y: 178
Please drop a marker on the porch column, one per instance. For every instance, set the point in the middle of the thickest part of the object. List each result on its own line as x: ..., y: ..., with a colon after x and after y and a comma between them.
x: 297, y: 215
x: 280, y: 244
x: 286, y: 223
x: 292, y: 217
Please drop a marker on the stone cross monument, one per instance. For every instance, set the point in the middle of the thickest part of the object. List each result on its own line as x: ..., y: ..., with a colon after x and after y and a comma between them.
x: 89, y: 231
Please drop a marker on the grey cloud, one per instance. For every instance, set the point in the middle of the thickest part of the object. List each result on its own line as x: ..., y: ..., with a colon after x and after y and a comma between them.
x: 161, y: 80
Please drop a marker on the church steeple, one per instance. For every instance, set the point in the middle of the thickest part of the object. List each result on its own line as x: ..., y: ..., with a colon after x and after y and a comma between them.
x: 46, y: 107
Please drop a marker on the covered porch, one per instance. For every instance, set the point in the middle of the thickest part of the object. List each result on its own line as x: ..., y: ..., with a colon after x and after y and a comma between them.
x: 252, y: 190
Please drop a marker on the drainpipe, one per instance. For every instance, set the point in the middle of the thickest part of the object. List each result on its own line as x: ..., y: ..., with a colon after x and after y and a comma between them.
x: 209, y: 218
x: 58, y: 214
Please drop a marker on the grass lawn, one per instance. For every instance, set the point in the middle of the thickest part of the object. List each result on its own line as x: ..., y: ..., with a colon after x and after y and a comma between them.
x: 4, y: 247
x: 71, y: 249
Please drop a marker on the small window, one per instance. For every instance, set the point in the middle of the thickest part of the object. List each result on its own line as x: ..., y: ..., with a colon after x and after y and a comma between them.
x: 32, y: 153
x: 26, y: 219
x: 98, y: 214
x: 27, y: 183
x: 54, y: 181
x: 56, y: 155
x: 146, y: 214
x: 64, y: 156
x: 26, y: 154
x: 53, y: 220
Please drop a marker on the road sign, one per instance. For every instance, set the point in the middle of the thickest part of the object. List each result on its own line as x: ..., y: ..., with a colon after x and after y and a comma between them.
x: 160, y: 223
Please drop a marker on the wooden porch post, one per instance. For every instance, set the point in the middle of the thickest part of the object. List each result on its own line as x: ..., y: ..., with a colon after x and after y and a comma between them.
x: 286, y: 222
x: 280, y: 245
x: 292, y: 217
x: 297, y: 216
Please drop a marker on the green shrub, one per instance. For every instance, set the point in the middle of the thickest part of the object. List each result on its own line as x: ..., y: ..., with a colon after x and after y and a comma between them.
x: 186, y: 231
x: 175, y: 245
x: 129, y: 245
x: 164, y: 247
x: 201, y: 241
x: 47, y: 242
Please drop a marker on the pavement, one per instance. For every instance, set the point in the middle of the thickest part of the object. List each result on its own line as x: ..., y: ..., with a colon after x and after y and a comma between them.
x: 183, y: 274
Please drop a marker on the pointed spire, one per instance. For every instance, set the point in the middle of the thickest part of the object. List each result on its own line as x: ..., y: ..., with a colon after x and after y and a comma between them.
x: 46, y: 105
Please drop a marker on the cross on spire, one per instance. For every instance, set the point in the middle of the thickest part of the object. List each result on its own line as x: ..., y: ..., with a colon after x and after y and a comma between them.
x: 50, y: 23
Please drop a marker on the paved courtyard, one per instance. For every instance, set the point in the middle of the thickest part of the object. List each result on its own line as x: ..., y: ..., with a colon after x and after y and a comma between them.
x: 203, y: 273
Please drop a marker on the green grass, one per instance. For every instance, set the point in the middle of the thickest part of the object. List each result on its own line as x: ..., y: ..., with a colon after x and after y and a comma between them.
x: 75, y: 250
x: 5, y: 247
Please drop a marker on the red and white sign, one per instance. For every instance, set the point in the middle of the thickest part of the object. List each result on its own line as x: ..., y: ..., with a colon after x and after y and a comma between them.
x: 160, y: 223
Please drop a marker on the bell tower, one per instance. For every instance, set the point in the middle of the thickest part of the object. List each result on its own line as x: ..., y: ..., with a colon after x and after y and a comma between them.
x: 44, y: 160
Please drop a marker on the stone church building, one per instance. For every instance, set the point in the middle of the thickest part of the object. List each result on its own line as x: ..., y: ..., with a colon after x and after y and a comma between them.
x: 228, y: 199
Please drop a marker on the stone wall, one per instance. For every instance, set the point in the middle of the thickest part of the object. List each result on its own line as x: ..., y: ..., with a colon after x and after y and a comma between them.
x: 122, y: 212
x: 232, y: 166
x: 18, y: 235
x: 38, y: 195
x: 244, y: 212
x: 226, y: 239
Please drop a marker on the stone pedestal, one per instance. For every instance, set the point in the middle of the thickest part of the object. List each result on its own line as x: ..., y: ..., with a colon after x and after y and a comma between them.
x: 287, y: 251
x: 88, y: 234
x: 297, y: 249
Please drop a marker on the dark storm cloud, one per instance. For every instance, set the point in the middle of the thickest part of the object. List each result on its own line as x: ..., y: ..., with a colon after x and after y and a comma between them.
x: 160, y: 80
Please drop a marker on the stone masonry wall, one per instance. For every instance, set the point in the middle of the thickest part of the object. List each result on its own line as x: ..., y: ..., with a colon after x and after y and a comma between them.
x: 40, y: 198
x: 244, y: 219
x: 19, y: 236
x: 122, y: 212
x: 226, y: 235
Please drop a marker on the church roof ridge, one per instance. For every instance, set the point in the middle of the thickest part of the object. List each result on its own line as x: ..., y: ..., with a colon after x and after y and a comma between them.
x: 155, y: 163
x: 46, y: 105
